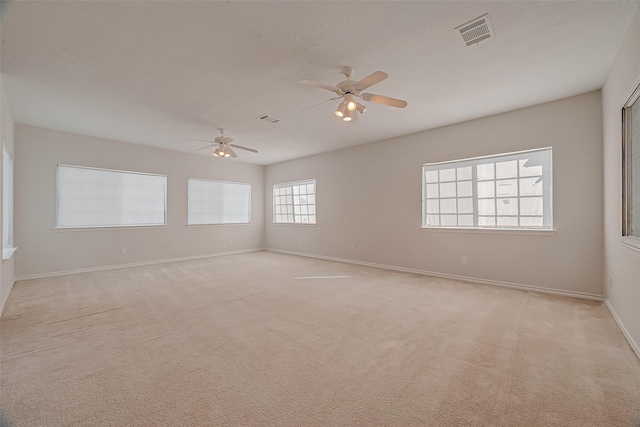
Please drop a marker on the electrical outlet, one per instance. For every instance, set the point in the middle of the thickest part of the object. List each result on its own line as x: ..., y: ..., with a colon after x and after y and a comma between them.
x: 610, y: 283
x: 353, y: 247
x: 230, y: 241
x: 464, y: 260
x: 123, y: 251
x: 299, y: 242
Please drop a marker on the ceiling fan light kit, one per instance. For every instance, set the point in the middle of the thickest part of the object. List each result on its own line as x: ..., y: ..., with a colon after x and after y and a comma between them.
x: 224, y: 144
x: 349, y: 90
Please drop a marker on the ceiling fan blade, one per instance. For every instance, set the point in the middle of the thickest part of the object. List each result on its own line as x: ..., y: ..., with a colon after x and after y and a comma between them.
x: 318, y: 103
x: 228, y: 149
x: 202, y: 148
x: 384, y: 100
x: 370, y: 80
x: 203, y: 140
x: 321, y: 86
x: 242, y: 148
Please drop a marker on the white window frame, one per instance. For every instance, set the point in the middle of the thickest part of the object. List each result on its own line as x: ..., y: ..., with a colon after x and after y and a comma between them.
x: 475, y: 226
x: 629, y: 192
x: 7, y: 203
x: 189, y: 223
x: 114, y: 226
x: 308, y: 205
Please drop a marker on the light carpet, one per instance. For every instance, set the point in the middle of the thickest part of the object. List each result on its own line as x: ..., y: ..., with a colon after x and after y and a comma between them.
x: 273, y: 339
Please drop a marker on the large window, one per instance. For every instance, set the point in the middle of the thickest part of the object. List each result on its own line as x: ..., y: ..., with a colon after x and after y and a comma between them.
x: 631, y: 170
x: 7, y: 199
x: 503, y: 191
x: 216, y: 202
x: 295, y: 202
x: 89, y: 197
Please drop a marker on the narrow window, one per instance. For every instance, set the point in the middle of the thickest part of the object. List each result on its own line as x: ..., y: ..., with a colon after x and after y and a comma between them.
x: 295, y: 202
x: 511, y: 190
x: 217, y: 202
x: 90, y: 197
x: 631, y: 170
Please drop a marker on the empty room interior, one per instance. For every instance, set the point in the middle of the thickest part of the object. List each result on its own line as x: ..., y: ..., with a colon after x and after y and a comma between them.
x: 320, y: 213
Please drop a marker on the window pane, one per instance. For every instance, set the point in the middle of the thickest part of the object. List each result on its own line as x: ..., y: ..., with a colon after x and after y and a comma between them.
x: 299, y: 202
x: 465, y: 220
x: 487, y: 221
x: 531, y: 221
x: 485, y: 171
x: 448, y: 220
x: 432, y: 190
x: 507, y: 169
x: 447, y: 175
x: 531, y: 187
x: 464, y: 173
x: 465, y: 206
x: 531, y: 206
x: 507, y: 206
x: 465, y: 189
x: 507, y: 221
x: 433, y: 206
x: 448, y: 189
x: 530, y: 167
x: 507, y: 188
x: 101, y: 198
x: 433, y: 220
x: 448, y: 206
x: 486, y: 189
x: 431, y: 176
x: 487, y: 207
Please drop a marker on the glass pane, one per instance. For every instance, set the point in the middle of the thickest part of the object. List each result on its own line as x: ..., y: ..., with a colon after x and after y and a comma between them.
x: 465, y: 220
x: 448, y: 220
x: 530, y: 167
x: 465, y: 205
x: 507, y: 169
x: 485, y: 171
x: 507, y: 221
x: 433, y: 206
x: 296, y: 190
x: 531, y: 221
x: 531, y: 186
x: 278, y: 218
x: 433, y: 220
x: 531, y: 206
x: 311, y: 199
x: 431, y: 176
x: 487, y: 207
x: 296, y: 209
x: 311, y: 188
x: 312, y: 219
x: 507, y: 188
x: 448, y: 205
x: 464, y: 173
x: 448, y: 189
x: 507, y: 206
x: 486, y: 189
x: 448, y: 175
x: 465, y: 189
x: 303, y: 209
x: 432, y: 191
x: 486, y: 221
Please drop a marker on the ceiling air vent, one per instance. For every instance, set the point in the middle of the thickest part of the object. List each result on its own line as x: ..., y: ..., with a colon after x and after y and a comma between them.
x: 473, y: 32
x: 268, y: 119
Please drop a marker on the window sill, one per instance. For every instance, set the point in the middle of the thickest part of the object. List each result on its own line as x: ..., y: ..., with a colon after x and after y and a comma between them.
x: 218, y: 225
x: 631, y: 242
x: 111, y: 227
x: 304, y: 224
x: 527, y: 231
x: 7, y: 253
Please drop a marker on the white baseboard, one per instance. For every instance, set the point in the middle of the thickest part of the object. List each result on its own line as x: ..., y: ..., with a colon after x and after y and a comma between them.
x: 134, y: 264
x: 627, y: 335
x: 452, y: 276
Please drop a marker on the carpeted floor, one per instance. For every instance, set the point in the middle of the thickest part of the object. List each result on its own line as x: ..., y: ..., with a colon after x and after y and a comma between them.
x: 252, y: 339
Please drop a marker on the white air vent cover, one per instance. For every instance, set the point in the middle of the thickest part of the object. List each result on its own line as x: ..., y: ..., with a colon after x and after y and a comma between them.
x: 473, y: 32
x: 269, y: 119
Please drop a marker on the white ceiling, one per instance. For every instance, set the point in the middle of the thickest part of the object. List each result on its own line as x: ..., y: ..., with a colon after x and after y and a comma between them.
x: 157, y: 73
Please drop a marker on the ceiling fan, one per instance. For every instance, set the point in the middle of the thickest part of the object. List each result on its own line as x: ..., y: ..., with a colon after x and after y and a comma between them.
x: 224, y: 146
x: 349, y: 90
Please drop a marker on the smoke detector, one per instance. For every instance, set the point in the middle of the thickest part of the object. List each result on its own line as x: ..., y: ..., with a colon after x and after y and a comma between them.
x: 476, y: 30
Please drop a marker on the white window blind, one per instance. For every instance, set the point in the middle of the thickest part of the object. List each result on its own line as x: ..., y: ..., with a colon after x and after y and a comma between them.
x: 631, y: 171
x: 295, y: 202
x: 512, y: 190
x: 89, y: 197
x: 7, y: 199
x: 216, y: 202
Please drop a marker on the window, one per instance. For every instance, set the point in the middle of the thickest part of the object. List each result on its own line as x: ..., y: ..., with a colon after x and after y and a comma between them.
x: 7, y: 199
x: 631, y: 170
x: 89, y: 197
x: 216, y: 202
x: 504, y: 191
x: 295, y: 202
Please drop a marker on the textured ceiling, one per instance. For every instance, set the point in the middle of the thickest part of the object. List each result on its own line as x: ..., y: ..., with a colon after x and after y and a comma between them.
x: 157, y: 73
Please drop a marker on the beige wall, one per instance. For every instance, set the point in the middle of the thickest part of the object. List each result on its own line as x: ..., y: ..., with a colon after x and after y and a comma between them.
x: 622, y: 263
x: 7, y: 128
x: 44, y: 250
x: 370, y: 196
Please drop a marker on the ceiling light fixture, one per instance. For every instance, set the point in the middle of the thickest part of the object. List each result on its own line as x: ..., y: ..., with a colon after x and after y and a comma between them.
x: 350, y: 102
x: 341, y: 109
x: 347, y: 116
x: 361, y: 108
x: 220, y: 152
